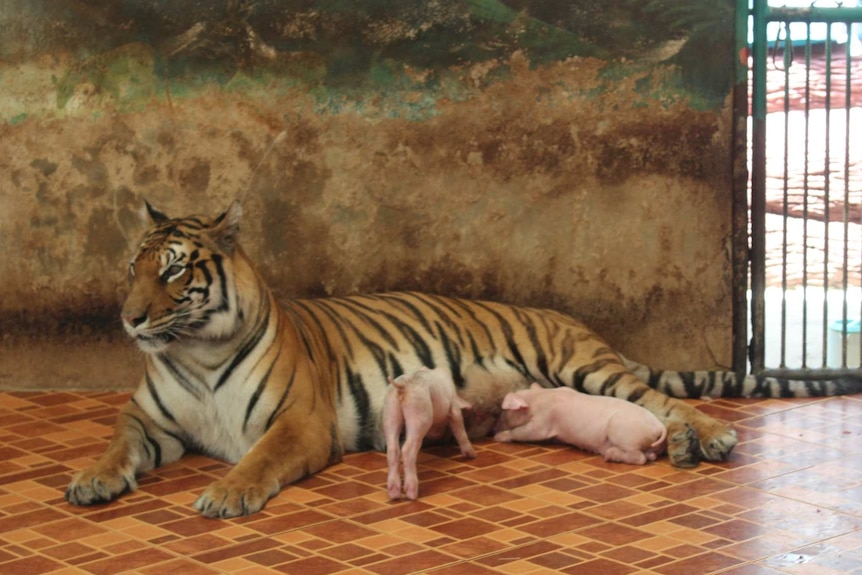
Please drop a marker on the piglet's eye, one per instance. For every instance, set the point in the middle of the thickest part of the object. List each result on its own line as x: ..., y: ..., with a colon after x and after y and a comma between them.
x: 174, y: 272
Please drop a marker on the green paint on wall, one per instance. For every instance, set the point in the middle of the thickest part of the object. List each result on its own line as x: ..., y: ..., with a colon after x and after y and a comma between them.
x: 393, y: 58
x: 124, y: 76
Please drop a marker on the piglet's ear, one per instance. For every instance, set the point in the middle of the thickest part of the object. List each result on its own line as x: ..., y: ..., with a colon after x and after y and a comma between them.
x: 225, y: 230
x: 535, y: 385
x: 513, y: 401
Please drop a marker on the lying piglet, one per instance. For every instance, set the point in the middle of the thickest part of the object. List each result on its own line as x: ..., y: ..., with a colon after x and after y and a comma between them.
x: 615, y: 428
x: 422, y: 403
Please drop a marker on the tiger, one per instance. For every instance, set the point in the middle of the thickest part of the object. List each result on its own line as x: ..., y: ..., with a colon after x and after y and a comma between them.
x: 282, y: 390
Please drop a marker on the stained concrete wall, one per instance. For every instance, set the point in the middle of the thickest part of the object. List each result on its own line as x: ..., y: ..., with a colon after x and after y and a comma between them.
x: 591, y: 178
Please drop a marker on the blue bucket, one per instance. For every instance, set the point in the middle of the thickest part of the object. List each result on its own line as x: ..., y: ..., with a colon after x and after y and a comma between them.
x: 835, y: 344
x: 853, y: 326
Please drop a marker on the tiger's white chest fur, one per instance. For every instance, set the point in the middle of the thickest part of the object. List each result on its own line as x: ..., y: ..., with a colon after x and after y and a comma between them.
x: 205, y: 401
x: 214, y: 427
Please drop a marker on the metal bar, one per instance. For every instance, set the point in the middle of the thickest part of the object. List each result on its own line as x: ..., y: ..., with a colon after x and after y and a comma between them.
x: 759, y: 53
x: 848, y: 100
x: 813, y: 14
x: 845, y: 216
x: 758, y: 186
x: 810, y: 373
x: 739, y: 214
x: 788, y: 62
x: 826, y: 183
x: 806, y: 172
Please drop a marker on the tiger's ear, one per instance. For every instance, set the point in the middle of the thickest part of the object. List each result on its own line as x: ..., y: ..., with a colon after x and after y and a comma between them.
x: 225, y: 229
x: 156, y: 217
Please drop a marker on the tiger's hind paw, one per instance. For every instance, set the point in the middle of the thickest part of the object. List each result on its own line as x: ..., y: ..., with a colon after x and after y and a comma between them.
x: 225, y: 498
x: 686, y: 447
x: 683, y: 445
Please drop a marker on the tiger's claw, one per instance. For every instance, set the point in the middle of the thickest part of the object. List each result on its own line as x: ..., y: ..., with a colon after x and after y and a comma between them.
x: 90, y: 487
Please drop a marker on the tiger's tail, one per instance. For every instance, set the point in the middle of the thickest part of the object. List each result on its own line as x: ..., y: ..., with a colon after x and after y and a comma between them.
x: 697, y: 384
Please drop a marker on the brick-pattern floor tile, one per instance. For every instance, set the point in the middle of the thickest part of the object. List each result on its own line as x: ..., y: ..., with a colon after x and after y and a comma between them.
x: 789, y: 500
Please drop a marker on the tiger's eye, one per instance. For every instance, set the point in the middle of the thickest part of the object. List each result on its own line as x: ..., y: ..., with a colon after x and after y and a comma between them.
x: 173, y: 272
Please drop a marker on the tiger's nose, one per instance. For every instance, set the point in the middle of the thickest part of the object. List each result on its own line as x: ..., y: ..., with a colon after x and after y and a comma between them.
x: 133, y: 320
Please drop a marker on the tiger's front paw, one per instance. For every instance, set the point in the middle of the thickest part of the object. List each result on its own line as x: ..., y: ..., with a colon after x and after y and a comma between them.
x: 93, y: 486
x: 233, y: 498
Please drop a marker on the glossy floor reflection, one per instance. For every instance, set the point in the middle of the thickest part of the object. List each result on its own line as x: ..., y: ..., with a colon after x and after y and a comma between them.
x: 788, y: 501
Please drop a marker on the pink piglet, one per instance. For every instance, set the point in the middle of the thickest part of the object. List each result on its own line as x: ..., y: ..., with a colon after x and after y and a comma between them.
x: 422, y: 403
x: 615, y: 428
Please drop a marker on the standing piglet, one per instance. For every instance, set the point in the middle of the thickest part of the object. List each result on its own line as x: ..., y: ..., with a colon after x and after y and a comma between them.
x: 423, y: 403
x: 615, y: 428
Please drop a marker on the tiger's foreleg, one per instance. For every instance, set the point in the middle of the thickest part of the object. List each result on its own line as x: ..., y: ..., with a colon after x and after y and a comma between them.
x: 138, y: 445
x: 290, y: 450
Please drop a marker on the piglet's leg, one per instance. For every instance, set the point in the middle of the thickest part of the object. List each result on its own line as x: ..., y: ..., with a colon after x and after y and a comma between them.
x: 634, y: 457
x: 417, y: 428
x: 630, y: 436
x: 529, y: 431
x: 456, y: 422
x: 392, y: 424
x: 504, y: 436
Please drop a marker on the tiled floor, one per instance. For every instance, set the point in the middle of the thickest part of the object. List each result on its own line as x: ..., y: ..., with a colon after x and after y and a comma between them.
x: 788, y: 501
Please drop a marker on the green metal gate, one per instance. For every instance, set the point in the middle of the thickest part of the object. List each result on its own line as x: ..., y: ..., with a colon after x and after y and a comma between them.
x: 805, y: 190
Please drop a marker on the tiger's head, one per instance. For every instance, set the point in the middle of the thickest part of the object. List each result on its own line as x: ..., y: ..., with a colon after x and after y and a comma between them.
x: 181, y: 280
